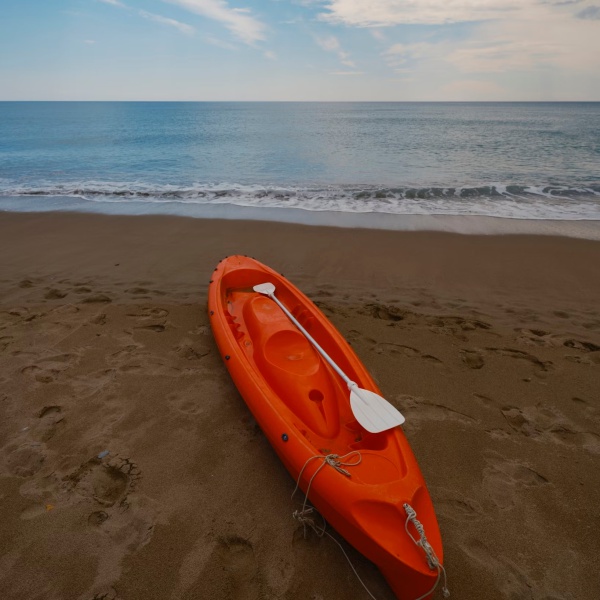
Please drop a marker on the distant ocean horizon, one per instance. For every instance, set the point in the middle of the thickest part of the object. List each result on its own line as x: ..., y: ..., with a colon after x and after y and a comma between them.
x: 517, y: 160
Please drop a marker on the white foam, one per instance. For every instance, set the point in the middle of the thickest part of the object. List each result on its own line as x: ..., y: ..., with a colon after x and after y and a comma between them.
x: 502, y: 200
x: 465, y: 224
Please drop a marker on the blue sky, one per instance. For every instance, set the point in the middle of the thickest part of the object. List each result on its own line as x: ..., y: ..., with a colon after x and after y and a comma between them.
x: 299, y: 50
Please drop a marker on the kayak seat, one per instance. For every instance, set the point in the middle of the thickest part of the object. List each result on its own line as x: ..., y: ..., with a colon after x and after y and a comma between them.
x: 292, y: 367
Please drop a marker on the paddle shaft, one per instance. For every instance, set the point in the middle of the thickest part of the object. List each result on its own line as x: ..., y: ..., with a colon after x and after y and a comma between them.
x: 320, y: 350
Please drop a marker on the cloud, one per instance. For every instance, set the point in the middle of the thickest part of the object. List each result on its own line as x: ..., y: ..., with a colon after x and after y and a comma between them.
x: 331, y: 44
x: 239, y: 21
x: 591, y: 13
x: 385, y: 13
x: 381, y: 13
x: 187, y: 29
x: 343, y: 73
x: 541, y: 38
x: 113, y: 3
x: 213, y: 41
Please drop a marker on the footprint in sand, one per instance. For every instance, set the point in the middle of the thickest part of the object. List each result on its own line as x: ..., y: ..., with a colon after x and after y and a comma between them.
x: 455, y: 326
x: 236, y: 556
x: 28, y: 283
x: 485, y: 400
x: 385, y: 312
x: 47, y: 370
x: 97, y: 518
x: 407, y: 351
x: 418, y: 409
x: 5, y: 342
x: 149, y: 312
x: 452, y: 505
x: 151, y: 319
x: 392, y: 349
x: 54, y: 294
x: 97, y: 299
x: 536, y: 337
x: 590, y: 351
x: 472, y: 358
x: 357, y: 336
x: 550, y: 425
x: 99, y: 319
x: 185, y: 405
x: 26, y: 460
x: 142, y: 291
x: 331, y: 310
x: 190, y: 351
x: 50, y: 420
x: 504, y: 479
x: 108, y: 483
x: 540, y: 366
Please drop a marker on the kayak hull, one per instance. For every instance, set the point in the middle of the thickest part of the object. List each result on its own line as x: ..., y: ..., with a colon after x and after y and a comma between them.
x: 302, y: 407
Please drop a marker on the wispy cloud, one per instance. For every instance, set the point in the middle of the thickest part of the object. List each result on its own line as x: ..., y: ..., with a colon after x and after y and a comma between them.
x: 591, y: 13
x: 213, y: 41
x: 238, y: 20
x: 507, y: 46
x: 183, y: 27
x: 382, y: 13
x: 343, y: 73
x: 371, y: 13
x: 402, y: 56
x: 331, y: 44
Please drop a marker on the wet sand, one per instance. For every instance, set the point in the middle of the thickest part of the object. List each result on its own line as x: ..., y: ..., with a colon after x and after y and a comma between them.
x: 490, y: 345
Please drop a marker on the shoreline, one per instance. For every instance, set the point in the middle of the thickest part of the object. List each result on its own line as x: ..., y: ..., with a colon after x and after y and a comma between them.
x: 463, y: 224
x: 130, y: 467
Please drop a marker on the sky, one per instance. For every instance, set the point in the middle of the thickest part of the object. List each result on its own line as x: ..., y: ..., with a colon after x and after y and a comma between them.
x: 300, y: 50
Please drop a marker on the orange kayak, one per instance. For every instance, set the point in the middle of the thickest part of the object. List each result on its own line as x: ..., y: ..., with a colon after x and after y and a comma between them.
x: 302, y: 406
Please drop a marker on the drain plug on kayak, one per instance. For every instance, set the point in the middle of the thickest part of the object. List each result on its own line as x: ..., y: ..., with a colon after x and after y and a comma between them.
x: 284, y: 437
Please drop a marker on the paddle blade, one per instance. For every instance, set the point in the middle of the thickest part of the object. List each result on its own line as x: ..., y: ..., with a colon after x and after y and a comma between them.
x: 264, y: 288
x: 373, y: 412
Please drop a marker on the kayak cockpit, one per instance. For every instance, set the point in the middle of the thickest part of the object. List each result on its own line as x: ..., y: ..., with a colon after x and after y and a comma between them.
x: 293, y: 368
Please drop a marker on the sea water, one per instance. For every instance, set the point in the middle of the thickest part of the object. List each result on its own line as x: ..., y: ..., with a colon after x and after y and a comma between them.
x: 364, y: 161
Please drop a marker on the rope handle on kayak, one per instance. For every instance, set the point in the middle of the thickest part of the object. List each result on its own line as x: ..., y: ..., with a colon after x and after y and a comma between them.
x: 306, y: 517
x: 432, y: 559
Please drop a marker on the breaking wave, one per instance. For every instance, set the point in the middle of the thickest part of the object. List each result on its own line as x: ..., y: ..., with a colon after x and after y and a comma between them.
x: 550, y: 201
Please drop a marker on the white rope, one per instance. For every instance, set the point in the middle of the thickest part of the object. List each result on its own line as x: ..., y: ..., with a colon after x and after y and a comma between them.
x: 432, y: 559
x: 305, y: 516
x: 333, y: 460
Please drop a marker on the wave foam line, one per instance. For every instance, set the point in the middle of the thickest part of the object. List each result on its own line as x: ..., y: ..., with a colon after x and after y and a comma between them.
x: 574, y: 202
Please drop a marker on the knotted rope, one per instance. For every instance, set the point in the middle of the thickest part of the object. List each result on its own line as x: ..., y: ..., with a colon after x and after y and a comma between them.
x: 421, y: 542
x: 333, y: 460
x: 305, y: 516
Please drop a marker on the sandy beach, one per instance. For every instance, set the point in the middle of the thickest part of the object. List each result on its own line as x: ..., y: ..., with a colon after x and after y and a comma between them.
x: 130, y: 467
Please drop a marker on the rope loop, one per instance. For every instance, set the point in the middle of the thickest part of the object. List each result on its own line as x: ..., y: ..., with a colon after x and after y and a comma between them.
x: 306, y: 516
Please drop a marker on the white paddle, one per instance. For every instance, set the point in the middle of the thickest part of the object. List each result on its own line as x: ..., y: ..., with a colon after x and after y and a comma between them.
x: 372, y: 411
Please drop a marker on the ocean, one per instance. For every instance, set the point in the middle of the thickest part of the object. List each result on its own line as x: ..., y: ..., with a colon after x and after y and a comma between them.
x: 276, y: 161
